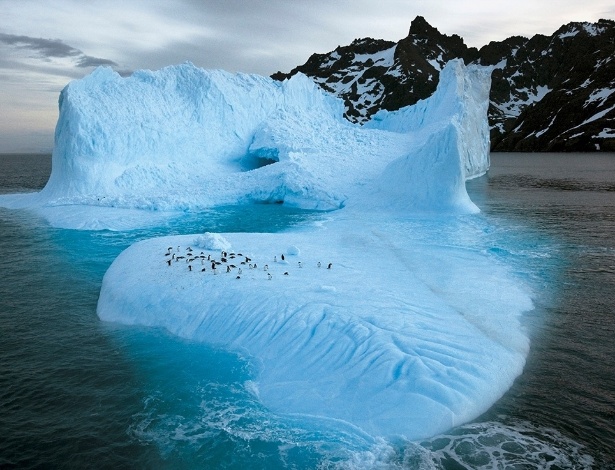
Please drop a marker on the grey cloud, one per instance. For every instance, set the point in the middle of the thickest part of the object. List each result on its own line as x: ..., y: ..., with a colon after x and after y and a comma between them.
x: 45, y: 47
x: 89, y: 61
x: 48, y: 48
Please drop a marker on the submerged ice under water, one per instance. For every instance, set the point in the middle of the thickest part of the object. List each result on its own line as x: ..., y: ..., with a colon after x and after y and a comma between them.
x: 75, y: 389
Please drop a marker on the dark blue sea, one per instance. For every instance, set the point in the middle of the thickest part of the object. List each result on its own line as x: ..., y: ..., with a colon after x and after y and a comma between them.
x: 76, y: 392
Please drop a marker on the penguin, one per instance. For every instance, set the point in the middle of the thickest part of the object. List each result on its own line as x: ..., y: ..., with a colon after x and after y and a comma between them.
x: 238, y: 277
x: 282, y: 256
x: 239, y: 271
x: 228, y: 269
x: 299, y: 262
x: 266, y: 268
x: 203, y: 270
x: 319, y: 265
x: 286, y: 273
x: 275, y: 259
x: 269, y: 276
x: 330, y: 264
x: 189, y: 267
x: 169, y: 262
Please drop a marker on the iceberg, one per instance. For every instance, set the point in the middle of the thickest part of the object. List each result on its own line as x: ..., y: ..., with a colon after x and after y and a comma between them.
x: 385, y: 315
x: 184, y: 139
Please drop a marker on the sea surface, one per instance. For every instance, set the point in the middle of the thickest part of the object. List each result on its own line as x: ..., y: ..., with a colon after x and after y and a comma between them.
x: 76, y: 392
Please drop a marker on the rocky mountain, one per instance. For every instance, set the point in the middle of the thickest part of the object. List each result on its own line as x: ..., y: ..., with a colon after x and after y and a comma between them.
x: 548, y: 93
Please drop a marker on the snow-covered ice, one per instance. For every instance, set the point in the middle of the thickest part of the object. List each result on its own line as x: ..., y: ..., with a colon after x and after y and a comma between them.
x: 381, y: 315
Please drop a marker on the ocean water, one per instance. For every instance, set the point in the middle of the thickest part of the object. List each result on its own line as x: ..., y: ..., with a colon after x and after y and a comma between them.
x: 76, y: 392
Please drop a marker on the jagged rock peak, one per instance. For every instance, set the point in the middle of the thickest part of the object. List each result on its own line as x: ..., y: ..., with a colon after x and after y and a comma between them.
x: 366, y: 46
x: 548, y: 93
x: 420, y: 27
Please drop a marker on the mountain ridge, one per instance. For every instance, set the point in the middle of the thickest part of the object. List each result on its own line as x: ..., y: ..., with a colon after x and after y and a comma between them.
x: 549, y: 93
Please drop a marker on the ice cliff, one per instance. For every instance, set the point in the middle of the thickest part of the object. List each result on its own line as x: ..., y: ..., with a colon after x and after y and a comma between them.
x: 184, y: 138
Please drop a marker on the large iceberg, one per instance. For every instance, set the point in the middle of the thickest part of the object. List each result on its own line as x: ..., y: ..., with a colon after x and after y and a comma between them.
x: 184, y: 138
x: 382, y: 315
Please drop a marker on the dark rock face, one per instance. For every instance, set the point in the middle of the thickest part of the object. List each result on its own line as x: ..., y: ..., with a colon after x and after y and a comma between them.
x: 548, y: 93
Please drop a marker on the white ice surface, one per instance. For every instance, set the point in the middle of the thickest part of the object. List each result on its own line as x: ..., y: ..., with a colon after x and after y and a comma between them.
x: 184, y: 139
x: 400, y: 337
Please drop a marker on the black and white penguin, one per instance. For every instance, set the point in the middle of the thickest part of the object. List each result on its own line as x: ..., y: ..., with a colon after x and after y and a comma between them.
x: 330, y: 264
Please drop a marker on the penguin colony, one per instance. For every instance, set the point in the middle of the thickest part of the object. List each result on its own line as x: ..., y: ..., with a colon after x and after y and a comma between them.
x: 228, y: 263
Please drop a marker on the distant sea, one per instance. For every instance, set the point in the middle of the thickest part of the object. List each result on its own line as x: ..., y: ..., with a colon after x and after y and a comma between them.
x: 76, y: 392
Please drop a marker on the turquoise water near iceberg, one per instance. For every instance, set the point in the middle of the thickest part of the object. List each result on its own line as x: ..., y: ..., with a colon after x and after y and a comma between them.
x: 76, y: 392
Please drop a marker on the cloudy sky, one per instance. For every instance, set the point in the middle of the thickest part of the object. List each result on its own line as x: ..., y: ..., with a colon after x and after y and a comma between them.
x: 46, y: 43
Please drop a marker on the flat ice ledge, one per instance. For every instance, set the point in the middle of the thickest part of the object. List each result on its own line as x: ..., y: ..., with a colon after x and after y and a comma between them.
x: 397, y: 338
